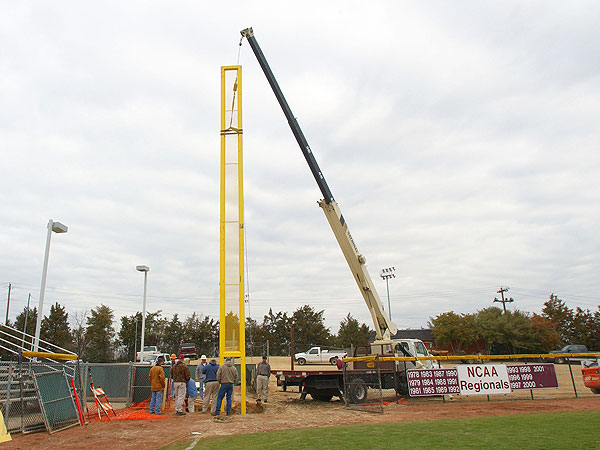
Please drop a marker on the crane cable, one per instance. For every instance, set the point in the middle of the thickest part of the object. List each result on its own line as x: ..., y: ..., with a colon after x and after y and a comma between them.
x: 247, y: 278
x: 235, y: 83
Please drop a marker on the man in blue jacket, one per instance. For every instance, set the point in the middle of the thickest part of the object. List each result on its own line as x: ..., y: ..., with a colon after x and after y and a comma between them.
x: 211, y: 386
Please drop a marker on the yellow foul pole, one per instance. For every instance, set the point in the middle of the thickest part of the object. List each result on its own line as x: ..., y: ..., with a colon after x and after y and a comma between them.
x: 231, y: 283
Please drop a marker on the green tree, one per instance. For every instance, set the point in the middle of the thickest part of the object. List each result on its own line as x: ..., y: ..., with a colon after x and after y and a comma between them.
x: 276, y: 329
x: 517, y: 332
x: 255, y: 338
x: 55, y: 328
x: 309, y: 328
x: 202, y: 331
x: 12, y: 339
x: 487, y: 322
x: 99, y: 335
x: 31, y: 322
x: 128, y: 334
x: 557, y: 311
x: 351, y: 333
x: 585, y: 328
x: 545, y: 336
x: 455, y: 331
x: 173, y: 333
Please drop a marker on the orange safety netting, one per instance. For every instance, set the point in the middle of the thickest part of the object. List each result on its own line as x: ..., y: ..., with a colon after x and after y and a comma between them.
x: 137, y: 411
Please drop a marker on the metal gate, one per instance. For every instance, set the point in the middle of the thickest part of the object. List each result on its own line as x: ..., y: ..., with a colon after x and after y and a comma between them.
x: 56, y: 400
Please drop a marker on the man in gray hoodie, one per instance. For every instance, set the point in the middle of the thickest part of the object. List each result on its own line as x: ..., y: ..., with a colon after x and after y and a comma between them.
x: 226, y: 375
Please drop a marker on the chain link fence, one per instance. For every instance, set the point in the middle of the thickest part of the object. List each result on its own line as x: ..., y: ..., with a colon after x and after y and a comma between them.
x: 112, y: 378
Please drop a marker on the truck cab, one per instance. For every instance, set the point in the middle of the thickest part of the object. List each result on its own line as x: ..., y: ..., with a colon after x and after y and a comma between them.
x: 414, y: 347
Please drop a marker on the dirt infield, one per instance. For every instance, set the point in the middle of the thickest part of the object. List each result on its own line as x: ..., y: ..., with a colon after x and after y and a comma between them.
x: 285, y: 411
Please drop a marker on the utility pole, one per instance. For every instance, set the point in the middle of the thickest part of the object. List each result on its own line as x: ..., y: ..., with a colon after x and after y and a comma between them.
x: 8, y: 304
x: 135, y: 341
x: 504, y: 301
x: 25, y: 325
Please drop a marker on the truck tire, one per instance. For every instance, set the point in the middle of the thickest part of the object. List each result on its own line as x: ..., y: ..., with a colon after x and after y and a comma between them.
x: 301, y: 361
x: 321, y: 397
x: 333, y: 361
x: 357, y: 391
x: 595, y: 390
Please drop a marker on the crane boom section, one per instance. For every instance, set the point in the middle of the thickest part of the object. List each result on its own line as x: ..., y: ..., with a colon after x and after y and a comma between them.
x: 296, y: 130
x: 384, y: 327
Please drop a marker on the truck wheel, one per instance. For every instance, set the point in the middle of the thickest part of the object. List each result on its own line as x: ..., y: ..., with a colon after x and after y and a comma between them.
x: 301, y: 361
x: 401, y: 386
x: 595, y: 390
x: 357, y: 391
x: 322, y: 397
x: 333, y: 361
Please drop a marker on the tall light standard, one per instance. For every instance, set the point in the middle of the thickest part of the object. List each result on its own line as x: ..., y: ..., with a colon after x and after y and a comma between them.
x: 57, y: 227
x: 144, y: 269
x: 386, y: 274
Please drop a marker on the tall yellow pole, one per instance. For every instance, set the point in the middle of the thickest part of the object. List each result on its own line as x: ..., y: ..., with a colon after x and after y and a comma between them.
x: 232, y: 323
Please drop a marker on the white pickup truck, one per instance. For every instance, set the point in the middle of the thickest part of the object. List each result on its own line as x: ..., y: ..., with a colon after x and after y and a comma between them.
x: 318, y: 355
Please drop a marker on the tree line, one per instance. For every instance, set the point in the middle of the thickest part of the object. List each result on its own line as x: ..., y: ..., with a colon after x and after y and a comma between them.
x: 93, y: 337
x: 497, y: 332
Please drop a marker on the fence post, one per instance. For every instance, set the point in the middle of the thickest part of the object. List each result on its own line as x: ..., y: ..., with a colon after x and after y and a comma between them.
x: 345, y: 386
x: 83, y: 368
x: 379, y: 379
x: 572, y: 379
x: 8, y: 388
x: 129, y: 385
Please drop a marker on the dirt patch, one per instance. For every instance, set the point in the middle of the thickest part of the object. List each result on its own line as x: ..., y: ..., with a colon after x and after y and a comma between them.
x: 284, y: 410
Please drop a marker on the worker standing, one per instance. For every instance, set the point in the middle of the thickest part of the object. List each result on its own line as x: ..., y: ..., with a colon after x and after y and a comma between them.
x: 157, y: 385
x: 200, y: 377
x: 212, y: 386
x: 181, y: 375
x: 226, y: 375
x: 263, y: 372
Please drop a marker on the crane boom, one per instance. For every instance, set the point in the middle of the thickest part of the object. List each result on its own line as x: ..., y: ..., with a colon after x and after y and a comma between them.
x: 384, y: 327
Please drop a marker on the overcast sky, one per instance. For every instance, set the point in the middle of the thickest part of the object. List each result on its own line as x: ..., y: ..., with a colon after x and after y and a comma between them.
x: 460, y: 140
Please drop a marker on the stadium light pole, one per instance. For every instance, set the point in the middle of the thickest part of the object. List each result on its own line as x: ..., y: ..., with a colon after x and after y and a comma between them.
x: 144, y: 269
x: 386, y: 274
x: 57, y: 227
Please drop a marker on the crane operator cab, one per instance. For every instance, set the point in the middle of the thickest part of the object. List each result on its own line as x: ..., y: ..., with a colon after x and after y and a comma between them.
x: 413, y: 347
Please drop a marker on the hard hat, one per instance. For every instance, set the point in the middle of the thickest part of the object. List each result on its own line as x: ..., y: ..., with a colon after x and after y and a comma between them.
x: 203, y: 357
x: 173, y: 356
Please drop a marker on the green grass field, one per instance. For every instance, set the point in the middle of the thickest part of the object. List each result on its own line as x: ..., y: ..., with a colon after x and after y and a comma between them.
x: 567, y: 430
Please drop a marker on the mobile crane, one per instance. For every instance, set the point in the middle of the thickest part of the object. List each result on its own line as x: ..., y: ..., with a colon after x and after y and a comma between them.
x: 384, y: 327
x: 323, y: 385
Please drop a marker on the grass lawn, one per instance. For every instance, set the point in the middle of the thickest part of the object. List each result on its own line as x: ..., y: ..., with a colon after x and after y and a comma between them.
x: 565, y: 430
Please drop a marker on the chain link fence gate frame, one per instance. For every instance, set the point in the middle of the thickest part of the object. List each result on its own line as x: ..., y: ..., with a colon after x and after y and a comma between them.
x: 362, y: 387
x: 56, y: 400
